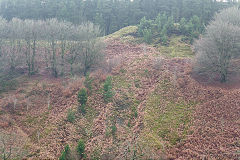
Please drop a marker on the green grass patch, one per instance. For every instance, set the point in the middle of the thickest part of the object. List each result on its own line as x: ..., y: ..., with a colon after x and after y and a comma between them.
x: 47, y: 131
x: 91, y: 114
x: 44, y: 117
x: 36, y: 120
x: 176, y: 48
x: 126, y: 31
x: 126, y: 34
x: 167, y: 119
x: 30, y: 120
x: 120, y: 81
x: 88, y: 121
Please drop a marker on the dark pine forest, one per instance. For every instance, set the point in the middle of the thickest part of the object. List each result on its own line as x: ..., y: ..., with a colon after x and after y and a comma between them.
x: 111, y: 15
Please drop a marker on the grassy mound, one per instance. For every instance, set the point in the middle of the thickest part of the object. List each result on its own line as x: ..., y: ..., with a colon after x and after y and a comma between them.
x: 126, y: 34
x: 175, y: 48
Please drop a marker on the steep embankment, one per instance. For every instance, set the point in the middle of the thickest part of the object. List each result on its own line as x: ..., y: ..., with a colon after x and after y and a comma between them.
x: 158, y: 109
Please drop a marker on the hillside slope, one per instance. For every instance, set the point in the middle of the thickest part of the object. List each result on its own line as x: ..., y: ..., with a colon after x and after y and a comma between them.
x: 158, y: 111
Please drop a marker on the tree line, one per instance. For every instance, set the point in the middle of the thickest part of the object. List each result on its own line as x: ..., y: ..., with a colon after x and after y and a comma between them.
x: 59, y: 47
x: 111, y: 15
x: 163, y: 27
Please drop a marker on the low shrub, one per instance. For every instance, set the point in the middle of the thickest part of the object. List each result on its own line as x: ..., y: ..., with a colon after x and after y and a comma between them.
x: 82, y: 109
x: 88, y: 83
x: 107, y: 90
x: 82, y: 96
x: 81, y: 149
x: 71, y: 116
x: 66, y: 154
x: 113, y: 129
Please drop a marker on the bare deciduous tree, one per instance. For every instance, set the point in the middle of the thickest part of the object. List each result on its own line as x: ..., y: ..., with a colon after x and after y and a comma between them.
x: 65, y: 35
x: 92, y: 54
x: 72, y: 55
x: 220, y: 45
x: 53, y: 31
x: 91, y: 47
x: 31, y: 33
x: 58, y: 44
x: 3, y: 28
x: 13, y: 44
x: 11, y: 146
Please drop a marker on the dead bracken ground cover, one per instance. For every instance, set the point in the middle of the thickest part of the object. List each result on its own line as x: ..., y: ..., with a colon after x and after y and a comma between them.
x: 159, y: 110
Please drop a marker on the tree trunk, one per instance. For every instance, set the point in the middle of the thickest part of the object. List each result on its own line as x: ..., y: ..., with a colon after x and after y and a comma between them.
x: 224, y: 65
x: 54, y: 61
x: 62, y: 56
x: 33, y: 57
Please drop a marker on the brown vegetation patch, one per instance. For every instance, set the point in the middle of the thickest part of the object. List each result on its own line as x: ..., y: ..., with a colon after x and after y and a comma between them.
x: 214, y: 131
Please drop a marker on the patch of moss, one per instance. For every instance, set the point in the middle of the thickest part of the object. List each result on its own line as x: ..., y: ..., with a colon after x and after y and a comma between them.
x: 36, y: 120
x: 34, y: 136
x: 47, y: 131
x: 122, y: 102
x: 120, y: 81
x: 134, y: 111
x: 39, y: 122
x: 176, y: 48
x: 91, y: 114
x: 166, y: 118
x: 31, y: 120
x: 84, y: 123
x: 127, y: 34
x: 148, y: 139
x: 124, y: 32
x: 43, y: 117
x: 164, y: 85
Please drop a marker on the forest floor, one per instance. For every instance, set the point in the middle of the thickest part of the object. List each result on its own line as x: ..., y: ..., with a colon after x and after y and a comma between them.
x: 160, y: 110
